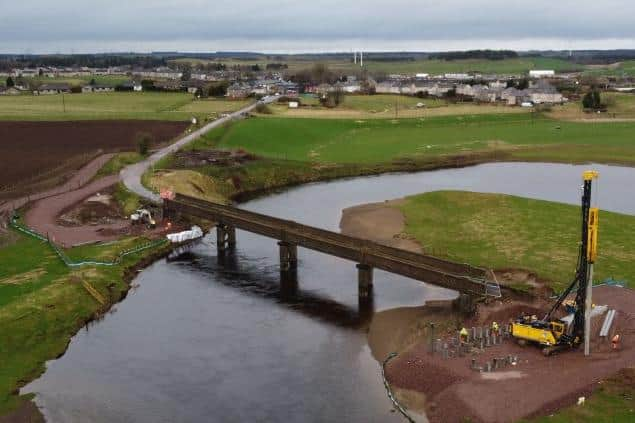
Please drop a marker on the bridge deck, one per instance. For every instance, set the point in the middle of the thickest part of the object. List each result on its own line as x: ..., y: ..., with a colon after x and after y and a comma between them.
x: 458, y: 276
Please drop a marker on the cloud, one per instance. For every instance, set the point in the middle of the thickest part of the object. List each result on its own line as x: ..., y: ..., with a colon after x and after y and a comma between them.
x: 74, y: 24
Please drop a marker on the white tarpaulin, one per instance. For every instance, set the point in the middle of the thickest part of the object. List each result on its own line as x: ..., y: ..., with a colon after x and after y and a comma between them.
x: 193, y: 233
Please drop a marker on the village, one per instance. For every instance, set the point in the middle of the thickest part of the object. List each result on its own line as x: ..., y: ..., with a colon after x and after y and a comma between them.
x: 527, y: 89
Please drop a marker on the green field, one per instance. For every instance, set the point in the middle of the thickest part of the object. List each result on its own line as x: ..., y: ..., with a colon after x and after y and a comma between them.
x: 621, y: 69
x: 516, y: 136
x: 116, y: 105
x: 387, y: 106
x: 500, y: 231
x: 43, y: 303
x: 433, y: 66
x: 79, y: 80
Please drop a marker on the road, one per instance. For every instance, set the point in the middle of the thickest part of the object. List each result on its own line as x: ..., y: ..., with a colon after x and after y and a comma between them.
x: 131, y: 175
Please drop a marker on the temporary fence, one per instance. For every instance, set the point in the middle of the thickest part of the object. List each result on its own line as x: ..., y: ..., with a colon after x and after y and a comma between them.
x: 389, y: 391
x: 70, y: 263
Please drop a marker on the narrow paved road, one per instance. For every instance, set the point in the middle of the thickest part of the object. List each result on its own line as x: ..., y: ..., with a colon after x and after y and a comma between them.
x: 131, y: 175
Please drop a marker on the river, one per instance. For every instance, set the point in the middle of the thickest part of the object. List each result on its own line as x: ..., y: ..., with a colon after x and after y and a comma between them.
x: 201, y: 341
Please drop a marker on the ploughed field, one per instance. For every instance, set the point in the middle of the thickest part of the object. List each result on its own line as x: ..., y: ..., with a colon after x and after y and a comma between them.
x: 33, y: 152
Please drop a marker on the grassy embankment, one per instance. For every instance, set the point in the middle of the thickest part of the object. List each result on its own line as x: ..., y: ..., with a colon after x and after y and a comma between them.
x: 296, y: 151
x: 501, y: 231
x: 612, y: 403
x: 43, y: 303
x: 107, y: 106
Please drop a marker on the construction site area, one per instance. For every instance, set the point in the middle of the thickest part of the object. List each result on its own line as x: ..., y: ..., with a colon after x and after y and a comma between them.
x: 487, y: 376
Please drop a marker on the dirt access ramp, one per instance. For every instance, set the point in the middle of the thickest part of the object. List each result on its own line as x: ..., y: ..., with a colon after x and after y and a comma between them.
x: 537, y: 385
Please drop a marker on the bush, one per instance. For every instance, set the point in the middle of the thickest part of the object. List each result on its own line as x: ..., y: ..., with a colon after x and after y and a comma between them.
x: 263, y: 109
x: 143, y: 141
x: 332, y: 99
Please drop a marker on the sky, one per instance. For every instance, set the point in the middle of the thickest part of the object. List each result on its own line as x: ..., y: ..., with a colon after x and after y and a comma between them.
x: 286, y: 26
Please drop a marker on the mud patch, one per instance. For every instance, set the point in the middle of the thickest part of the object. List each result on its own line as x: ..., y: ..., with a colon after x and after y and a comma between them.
x: 380, y: 222
x: 99, y: 209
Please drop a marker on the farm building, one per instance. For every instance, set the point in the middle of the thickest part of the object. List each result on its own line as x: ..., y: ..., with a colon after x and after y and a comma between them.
x: 47, y: 89
x: 541, y: 73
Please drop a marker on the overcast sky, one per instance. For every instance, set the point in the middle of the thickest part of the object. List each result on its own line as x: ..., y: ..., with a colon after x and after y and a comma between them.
x: 65, y: 26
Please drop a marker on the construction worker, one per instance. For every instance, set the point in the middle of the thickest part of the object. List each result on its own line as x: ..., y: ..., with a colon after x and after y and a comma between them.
x: 495, y: 328
x: 463, y: 335
x: 615, y: 341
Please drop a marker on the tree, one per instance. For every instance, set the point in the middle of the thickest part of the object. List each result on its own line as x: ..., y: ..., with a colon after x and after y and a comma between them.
x: 219, y: 89
x: 592, y: 100
x: 10, y: 82
x: 143, y: 141
x: 186, y: 73
x: 333, y: 98
x: 92, y: 82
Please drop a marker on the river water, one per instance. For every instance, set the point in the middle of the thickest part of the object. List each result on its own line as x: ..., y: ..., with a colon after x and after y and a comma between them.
x: 203, y: 341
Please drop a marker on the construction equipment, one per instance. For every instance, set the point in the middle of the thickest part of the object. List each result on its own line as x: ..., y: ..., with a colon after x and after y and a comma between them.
x: 143, y: 216
x: 556, y: 334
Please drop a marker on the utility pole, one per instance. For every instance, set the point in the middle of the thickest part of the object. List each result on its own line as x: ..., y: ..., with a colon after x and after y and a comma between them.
x: 63, y: 103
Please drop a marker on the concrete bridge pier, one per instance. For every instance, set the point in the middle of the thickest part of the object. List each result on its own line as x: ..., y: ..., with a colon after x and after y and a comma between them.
x: 225, y: 238
x: 288, y: 284
x: 365, y: 280
x: 288, y: 256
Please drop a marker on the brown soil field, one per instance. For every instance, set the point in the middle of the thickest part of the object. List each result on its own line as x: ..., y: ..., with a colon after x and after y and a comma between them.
x: 36, y: 151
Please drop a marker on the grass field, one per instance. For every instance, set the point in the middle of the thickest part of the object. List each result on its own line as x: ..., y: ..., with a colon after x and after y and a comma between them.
x: 80, y: 80
x: 621, y: 69
x: 518, y: 136
x: 43, y: 303
x: 507, y: 66
x: 98, y: 106
x: 619, y: 106
x: 389, y: 106
x: 499, y: 231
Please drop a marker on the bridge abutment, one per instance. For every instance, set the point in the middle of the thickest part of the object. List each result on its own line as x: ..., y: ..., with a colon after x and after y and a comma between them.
x: 365, y: 280
x: 225, y: 238
x: 465, y: 303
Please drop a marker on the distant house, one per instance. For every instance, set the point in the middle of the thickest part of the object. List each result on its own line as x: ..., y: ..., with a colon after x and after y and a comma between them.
x: 129, y: 86
x: 238, y: 91
x: 193, y: 86
x: 47, y: 89
x: 513, y: 96
x: 98, y: 88
x: 168, y: 85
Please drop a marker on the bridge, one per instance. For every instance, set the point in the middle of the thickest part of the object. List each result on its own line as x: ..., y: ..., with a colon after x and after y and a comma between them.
x: 468, y: 280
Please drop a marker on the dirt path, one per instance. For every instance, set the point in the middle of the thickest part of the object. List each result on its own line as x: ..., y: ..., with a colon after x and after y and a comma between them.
x: 81, y: 177
x: 42, y: 216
